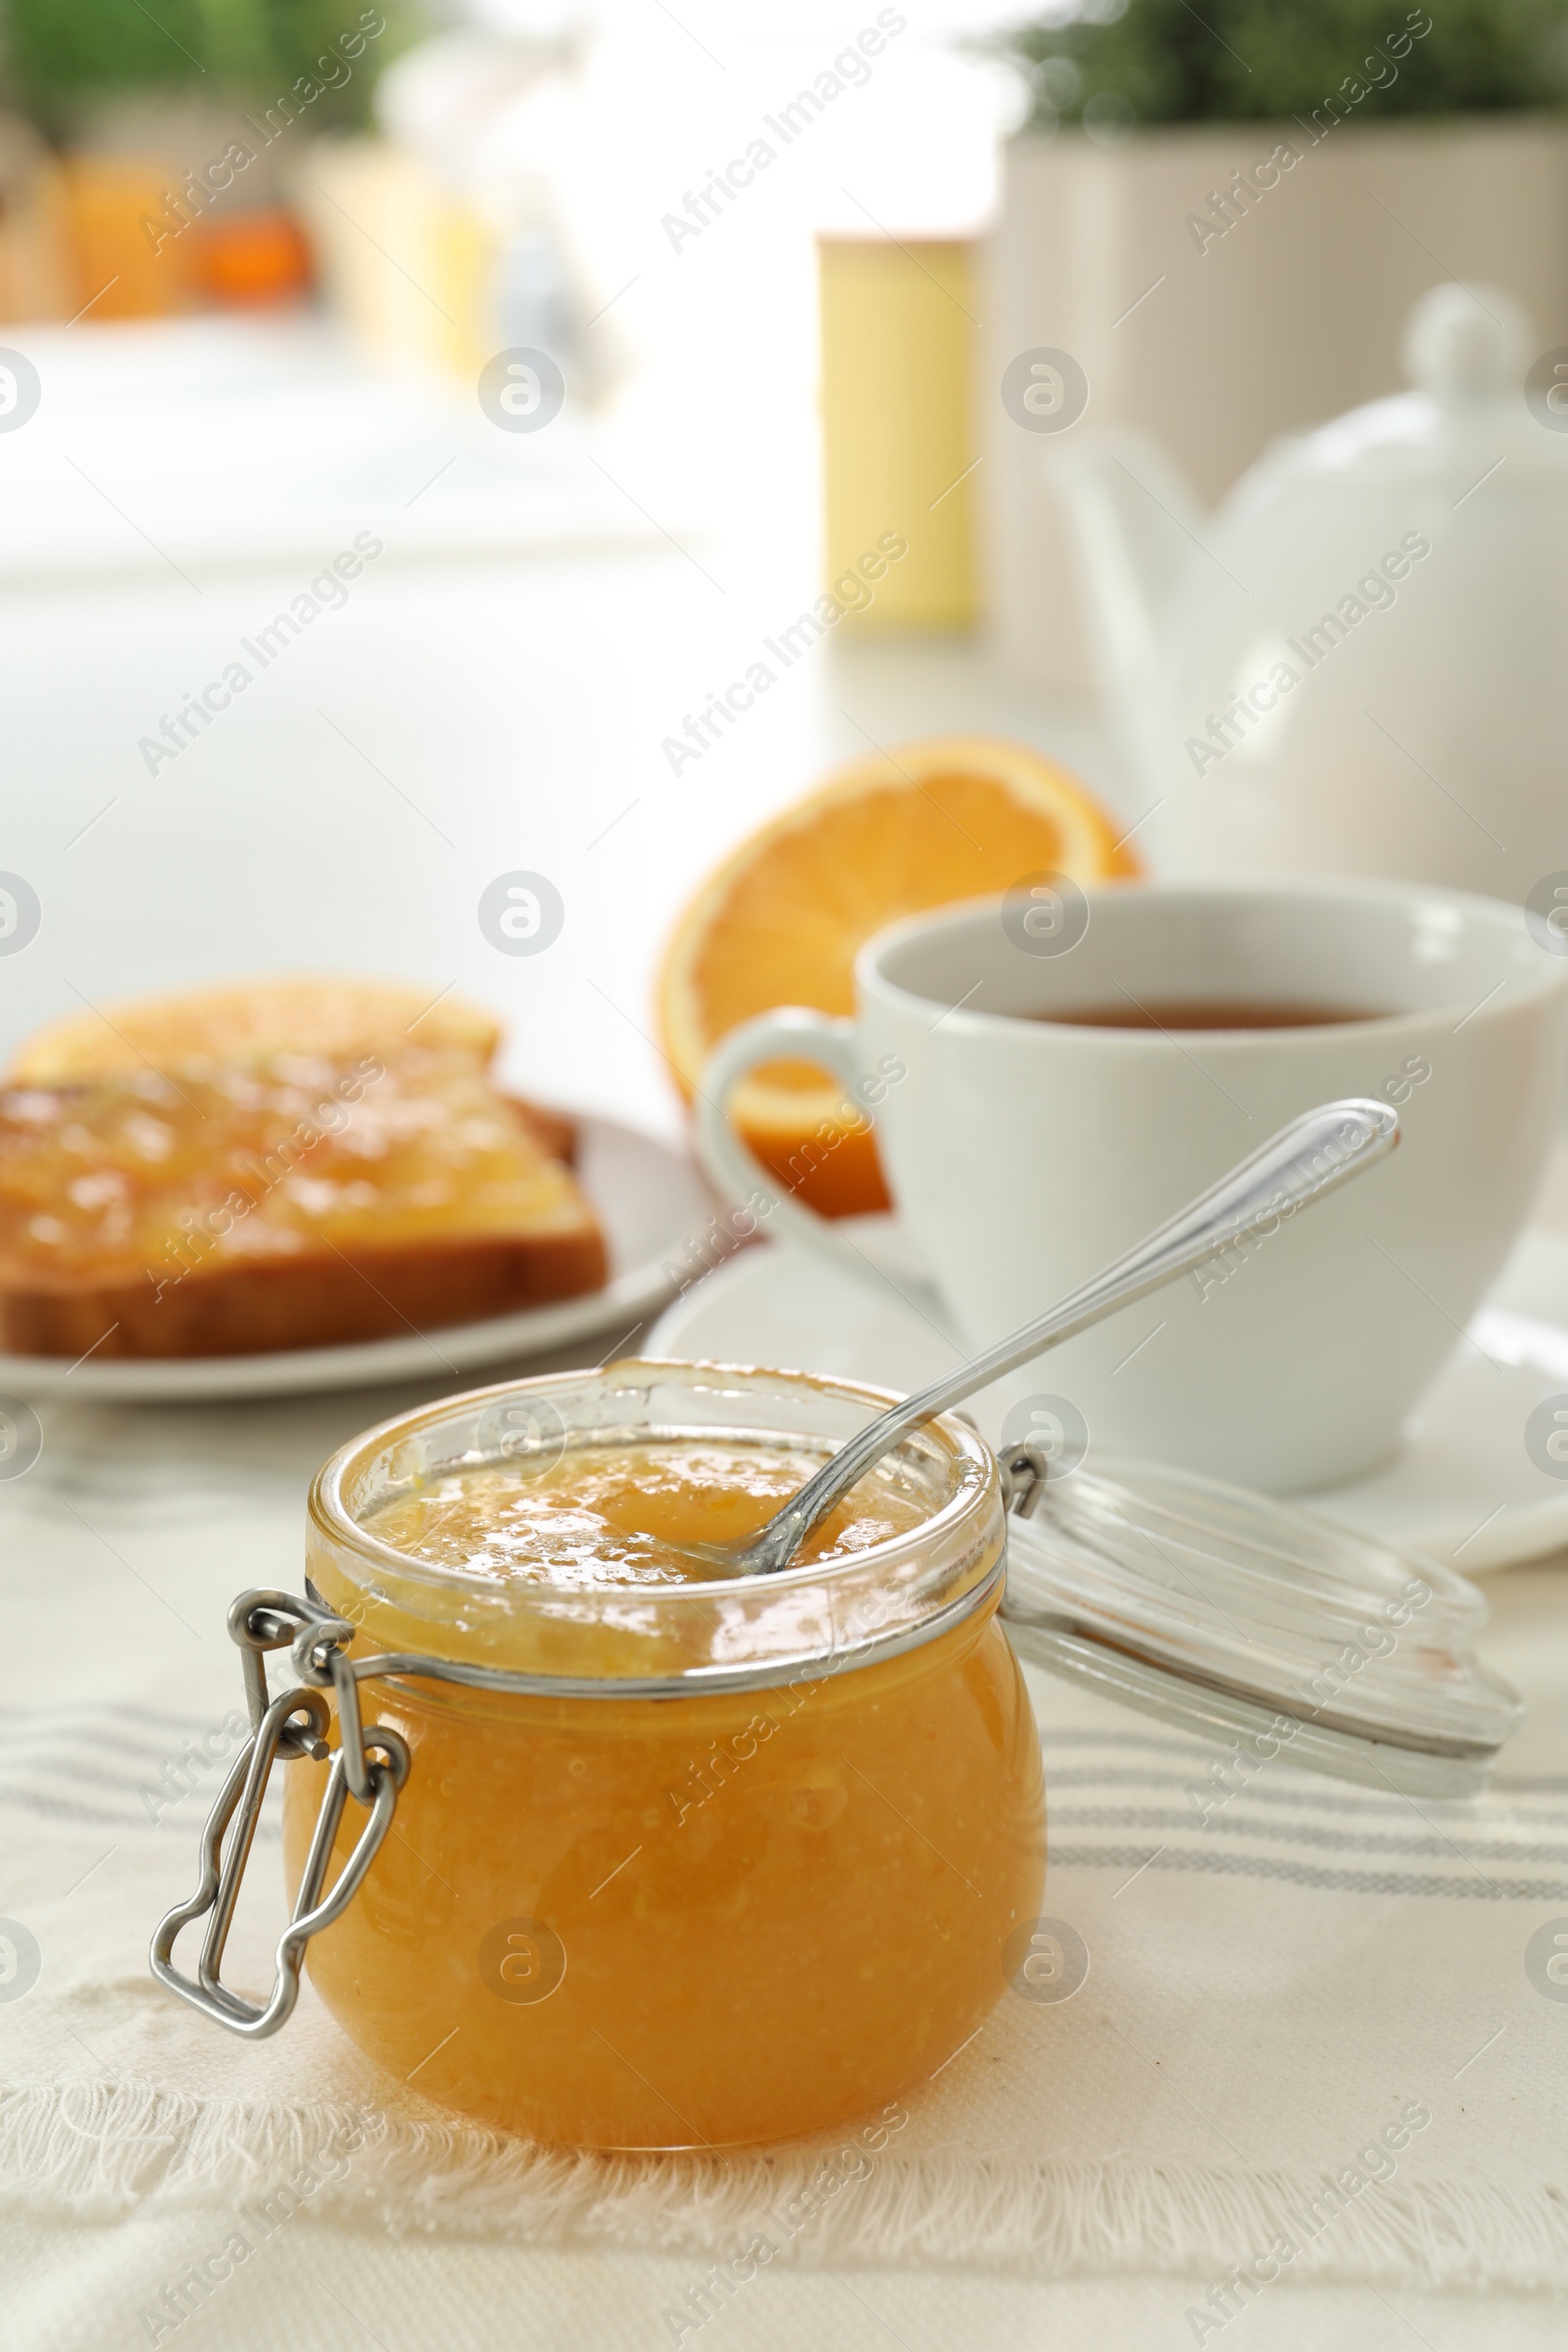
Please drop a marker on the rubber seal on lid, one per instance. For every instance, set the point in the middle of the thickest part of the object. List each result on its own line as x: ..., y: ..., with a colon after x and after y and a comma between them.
x: 1250, y: 1621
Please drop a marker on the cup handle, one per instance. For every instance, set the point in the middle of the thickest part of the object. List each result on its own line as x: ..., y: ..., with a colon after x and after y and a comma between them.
x: 791, y: 1033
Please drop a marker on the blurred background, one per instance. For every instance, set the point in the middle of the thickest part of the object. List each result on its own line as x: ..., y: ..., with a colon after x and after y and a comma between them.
x: 845, y: 311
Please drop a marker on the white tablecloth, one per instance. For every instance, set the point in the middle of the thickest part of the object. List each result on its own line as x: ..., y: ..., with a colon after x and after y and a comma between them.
x: 1266, y: 1994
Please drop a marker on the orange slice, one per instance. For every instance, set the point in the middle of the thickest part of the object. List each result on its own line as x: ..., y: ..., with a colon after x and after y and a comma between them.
x: 926, y: 824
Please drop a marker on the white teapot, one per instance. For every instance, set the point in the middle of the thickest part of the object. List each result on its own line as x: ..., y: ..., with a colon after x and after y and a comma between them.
x: 1360, y: 664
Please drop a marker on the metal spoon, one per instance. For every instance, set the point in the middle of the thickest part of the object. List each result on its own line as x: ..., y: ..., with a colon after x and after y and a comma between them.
x: 1309, y: 1157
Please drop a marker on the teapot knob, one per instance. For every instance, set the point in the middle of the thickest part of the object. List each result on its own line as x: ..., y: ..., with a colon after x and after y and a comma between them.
x: 1467, y: 344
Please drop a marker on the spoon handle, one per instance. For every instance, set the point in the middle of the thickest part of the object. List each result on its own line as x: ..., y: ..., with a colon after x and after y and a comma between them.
x: 1312, y: 1156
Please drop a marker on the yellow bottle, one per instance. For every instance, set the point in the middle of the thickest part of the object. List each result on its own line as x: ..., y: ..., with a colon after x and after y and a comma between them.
x: 898, y: 425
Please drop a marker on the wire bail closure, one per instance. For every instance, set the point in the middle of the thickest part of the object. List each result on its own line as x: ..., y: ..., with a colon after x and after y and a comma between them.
x: 283, y: 1730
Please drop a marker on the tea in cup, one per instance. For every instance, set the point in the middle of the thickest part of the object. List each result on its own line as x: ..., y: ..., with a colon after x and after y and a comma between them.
x: 1051, y: 1074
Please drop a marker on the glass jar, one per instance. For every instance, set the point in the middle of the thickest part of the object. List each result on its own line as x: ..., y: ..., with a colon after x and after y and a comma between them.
x: 682, y: 1865
x: 745, y: 1862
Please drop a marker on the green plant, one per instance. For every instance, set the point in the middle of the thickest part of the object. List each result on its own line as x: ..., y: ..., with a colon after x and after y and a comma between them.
x: 61, y: 52
x: 1225, y: 61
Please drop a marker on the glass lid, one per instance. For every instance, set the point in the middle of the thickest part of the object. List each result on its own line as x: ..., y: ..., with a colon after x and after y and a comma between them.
x: 1253, y: 1623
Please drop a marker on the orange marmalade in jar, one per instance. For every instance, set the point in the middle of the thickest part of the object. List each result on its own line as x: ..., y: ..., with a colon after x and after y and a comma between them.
x: 680, y: 1861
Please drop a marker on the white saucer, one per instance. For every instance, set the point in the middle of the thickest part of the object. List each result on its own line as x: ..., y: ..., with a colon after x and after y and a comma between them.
x: 1462, y: 1488
x: 650, y: 1200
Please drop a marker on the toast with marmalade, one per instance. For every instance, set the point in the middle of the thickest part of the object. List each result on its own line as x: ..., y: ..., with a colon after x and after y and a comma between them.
x: 248, y: 1196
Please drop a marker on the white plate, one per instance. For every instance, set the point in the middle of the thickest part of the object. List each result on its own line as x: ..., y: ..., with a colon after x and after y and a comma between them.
x: 1461, y: 1489
x: 651, y: 1200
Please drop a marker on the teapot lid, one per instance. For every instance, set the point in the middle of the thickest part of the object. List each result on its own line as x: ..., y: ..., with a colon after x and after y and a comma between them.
x: 1254, y: 1623
x: 1466, y: 350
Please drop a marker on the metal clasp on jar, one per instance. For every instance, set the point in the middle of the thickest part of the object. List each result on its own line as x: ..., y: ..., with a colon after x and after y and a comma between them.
x: 370, y: 1765
x: 1025, y: 1469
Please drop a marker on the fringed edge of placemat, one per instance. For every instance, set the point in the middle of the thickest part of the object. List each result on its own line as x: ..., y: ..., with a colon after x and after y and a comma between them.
x: 94, y: 2151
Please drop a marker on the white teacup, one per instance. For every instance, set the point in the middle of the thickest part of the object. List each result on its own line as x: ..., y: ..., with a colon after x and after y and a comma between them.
x: 1025, y: 1153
